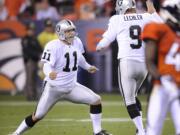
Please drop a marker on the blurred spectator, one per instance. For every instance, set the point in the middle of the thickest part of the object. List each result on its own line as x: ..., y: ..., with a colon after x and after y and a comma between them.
x: 31, y: 54
x: 109, y: 7
x: 29, y: 11
x: 85, y: 9
x: 3, y: 11
x: 70, y: 14
x: 67, y: 10
x: 87, y: 12
x: 44, y: 37
x: 48, y: 33
x: 141, y: 6
x: 44, y: 10
x: 104, y: 8
x: 14, y: 7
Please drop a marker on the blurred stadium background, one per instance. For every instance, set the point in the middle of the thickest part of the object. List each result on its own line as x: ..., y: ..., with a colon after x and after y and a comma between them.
x: 65, y: 118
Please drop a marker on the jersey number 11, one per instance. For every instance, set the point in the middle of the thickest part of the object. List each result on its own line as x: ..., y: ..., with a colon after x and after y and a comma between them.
x: 66, y: 68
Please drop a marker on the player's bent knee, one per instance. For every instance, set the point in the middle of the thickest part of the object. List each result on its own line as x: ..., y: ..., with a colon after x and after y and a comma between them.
x: 30, y: 121
x: 97, y: 100
x: 95, y: 109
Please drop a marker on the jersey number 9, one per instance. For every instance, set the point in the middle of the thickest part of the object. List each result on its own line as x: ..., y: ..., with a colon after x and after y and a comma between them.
x: 134, y: 33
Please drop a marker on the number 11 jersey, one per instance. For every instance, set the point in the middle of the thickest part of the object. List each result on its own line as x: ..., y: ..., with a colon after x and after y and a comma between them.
x: 64, y: 60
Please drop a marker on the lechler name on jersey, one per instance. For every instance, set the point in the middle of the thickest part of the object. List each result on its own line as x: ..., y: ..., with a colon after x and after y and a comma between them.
x: 132, y: 17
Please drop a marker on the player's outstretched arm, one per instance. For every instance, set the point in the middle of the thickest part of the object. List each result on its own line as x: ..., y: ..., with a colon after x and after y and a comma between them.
x: 103, y: 44
x: 150, y: 6
x: 83, y: 63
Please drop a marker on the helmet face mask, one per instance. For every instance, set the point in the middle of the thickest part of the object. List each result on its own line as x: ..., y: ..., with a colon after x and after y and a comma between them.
x: 66, y: 30
x: 123, y: 5
x: 170, y: 12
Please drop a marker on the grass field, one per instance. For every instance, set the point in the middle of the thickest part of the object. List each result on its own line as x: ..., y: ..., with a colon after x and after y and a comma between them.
x: 71, y: 119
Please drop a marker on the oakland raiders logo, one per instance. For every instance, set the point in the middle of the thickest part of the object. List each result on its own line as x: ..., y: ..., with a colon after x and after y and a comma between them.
x: 58, y: 28
x: 120, y: 2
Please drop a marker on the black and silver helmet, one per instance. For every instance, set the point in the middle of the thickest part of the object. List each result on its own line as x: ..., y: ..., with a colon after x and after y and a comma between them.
x: 123, y: 5
x: 62, y: 27
x: 170, y: 12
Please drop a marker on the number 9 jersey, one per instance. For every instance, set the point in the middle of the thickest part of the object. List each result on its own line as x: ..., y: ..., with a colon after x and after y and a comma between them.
x: 168, y: 49
x: 126, y: 29
x: 64, y: 60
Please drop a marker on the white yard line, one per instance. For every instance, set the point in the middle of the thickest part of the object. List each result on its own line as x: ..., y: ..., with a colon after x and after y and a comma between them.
x: 109, y: 120
x: 24, y: 103
x: 89, y: 120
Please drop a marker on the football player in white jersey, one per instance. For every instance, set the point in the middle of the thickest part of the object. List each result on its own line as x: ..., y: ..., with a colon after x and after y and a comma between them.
x: 61, y: 58
x: 126, y: 28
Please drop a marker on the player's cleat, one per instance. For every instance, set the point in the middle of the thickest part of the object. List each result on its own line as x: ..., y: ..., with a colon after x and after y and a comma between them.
x: 103, y: 132
x: 138, y: 133
x: 14, y: 133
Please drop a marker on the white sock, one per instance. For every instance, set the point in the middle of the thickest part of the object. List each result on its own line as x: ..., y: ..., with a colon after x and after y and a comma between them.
x: 140, y: 113
x: 139, y: 124
x: 22, y: 127
x: 96, y: 122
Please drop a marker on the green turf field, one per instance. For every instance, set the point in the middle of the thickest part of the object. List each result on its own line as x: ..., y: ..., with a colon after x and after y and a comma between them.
x: 71, y: 119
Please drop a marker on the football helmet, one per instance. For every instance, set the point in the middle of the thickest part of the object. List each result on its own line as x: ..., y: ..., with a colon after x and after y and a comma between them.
x: 123, y: 5
x: 170, y: 12
x: 64, y: 26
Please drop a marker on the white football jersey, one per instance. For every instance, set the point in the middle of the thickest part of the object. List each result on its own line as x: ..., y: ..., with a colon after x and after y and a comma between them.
x: 64, y: 60
x: 126, y: 29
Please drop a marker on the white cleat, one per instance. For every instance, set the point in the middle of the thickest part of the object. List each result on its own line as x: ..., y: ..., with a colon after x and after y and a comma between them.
x: 14, y: 133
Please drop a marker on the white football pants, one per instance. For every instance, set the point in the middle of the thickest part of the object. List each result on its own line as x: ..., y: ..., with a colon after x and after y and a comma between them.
x: 51, y: 94
x: 131, y: 75
x: 161, y: 101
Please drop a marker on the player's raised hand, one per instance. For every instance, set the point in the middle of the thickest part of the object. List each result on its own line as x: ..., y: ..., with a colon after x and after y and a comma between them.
x: 92, y: 69
x: 52, y: 75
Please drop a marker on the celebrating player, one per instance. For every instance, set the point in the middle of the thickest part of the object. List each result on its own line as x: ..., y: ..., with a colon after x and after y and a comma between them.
x: 126, y: 28
x: 61, y: 58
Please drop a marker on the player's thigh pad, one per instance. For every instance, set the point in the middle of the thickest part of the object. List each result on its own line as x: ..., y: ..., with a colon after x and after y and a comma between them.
x: 48, y: 98
x: 131, y: 75
x: 82, y: 94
